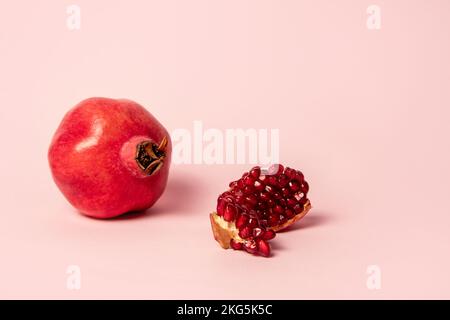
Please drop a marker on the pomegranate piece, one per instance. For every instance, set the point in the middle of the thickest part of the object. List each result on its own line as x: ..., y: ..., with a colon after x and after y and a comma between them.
x: 257, y: 205
x: 109, y: 157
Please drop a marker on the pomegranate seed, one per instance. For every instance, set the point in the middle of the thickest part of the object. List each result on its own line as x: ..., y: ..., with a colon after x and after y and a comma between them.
x: 237, y: 192
x: 305, y: 187
x: 264, y: 196
x: 251, y: 246
x: 289, y: 213
x: 245, y: 232
x: 291, y: 202
x: 241, y: 221
x: 273, y: 220
x: 303, y: 200
x: 255, y: 172
x: 230, y: 213
x: 280, y: 169
x: 262, y: 205
x: 295, y: 186
x: 233, y: 184
x: 263, y: 247
x: 251, y: 199
x: 299, y: 176
x: 290, y: 173
x: 298, y: 208
x: 272, y: 180
x: 249, y: 181
x: 263, y: 223
x: 235, y: 245
x: 278, y: 209
x: 258, y: 213
x: 240, y: 200
x: 275, y: 169
x: 268, y: 234
x: 257, y: 232
x: 285, y: 191
x: 252, y: 223
x: 259, y: 186
x: 221, y: 204
x: 249, y: 189
x: 283, y: 180
x: 277, y: 195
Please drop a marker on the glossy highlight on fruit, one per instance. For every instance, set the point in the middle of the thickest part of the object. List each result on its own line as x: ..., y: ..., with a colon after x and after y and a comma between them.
x: 257, y: 205
x: 109, y: 157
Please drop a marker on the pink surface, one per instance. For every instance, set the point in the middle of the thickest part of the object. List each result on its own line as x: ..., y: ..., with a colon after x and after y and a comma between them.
x: 364, y: 113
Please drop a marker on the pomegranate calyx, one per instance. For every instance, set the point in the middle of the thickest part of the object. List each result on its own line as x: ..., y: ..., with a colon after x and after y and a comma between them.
x: 150, y: 156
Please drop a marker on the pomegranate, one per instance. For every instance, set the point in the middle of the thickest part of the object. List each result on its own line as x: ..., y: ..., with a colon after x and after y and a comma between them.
x: 257, y: 205
x: 109, y: 157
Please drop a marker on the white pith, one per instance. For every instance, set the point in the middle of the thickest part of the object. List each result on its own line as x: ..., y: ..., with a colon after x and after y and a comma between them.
x: 230, y: 226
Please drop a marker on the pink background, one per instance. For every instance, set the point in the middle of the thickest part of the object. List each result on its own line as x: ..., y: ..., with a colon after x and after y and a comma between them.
x: 365, y: 114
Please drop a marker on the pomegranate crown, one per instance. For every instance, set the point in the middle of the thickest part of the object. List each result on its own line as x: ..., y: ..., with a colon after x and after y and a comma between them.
x: 150, y: 156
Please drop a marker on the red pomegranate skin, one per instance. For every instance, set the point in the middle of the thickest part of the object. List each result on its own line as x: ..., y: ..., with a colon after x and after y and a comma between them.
x: 92, y: 157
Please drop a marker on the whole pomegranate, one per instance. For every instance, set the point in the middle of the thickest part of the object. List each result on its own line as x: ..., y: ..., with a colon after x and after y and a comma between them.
x: 109, y: 157
x: 257, y: 205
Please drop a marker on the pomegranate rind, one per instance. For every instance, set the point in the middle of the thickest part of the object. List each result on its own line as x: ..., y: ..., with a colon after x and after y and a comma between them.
x: 224, y: 231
